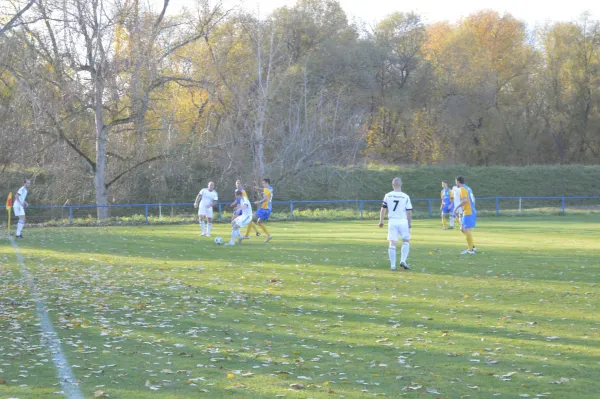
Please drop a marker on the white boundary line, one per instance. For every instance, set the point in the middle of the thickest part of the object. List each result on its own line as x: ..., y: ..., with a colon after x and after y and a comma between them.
x: 49, y: 338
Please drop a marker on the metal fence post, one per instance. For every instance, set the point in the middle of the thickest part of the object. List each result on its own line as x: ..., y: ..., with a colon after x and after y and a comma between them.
x: 70, y: 215
x: 519, y: 204
x: 429, y: 210
x: 146, y: 211
x: 497, y: 207
x: 291, y: 209
x: 362, y: 206
x: 562, y: 205
x: 220, y: 211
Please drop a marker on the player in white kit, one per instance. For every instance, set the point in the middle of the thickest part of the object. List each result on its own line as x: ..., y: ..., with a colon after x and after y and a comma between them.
x: 458, y: 211
x: 205, y: 201
x: 245, y: 207
x: 19, y: 207
x: 399, y: 210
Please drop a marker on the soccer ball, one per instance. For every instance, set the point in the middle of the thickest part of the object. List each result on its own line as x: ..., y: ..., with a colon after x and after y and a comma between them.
x: 218, y: 240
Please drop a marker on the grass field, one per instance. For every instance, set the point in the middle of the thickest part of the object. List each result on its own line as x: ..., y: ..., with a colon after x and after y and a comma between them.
x: 158, y: 312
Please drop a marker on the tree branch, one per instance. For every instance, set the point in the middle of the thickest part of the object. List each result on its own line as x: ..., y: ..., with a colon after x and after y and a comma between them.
x: 17, y: 16
x: 156, y: 158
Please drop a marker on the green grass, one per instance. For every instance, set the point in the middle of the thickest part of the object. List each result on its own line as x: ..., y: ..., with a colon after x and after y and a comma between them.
x: 425, y: 182
x: 156, y: 306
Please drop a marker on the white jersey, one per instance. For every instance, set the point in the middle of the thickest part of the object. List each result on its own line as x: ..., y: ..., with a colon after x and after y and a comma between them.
x: 397, y: 203
x: 209, y: 198
x: 247, y: 211
x: 456, y: 195
x: 22, y: 195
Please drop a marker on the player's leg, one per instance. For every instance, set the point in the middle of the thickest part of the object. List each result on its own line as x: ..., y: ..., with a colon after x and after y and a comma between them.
x: 451, y: 214
x: 201, y: 217
x: 405, y: 234
x: 209, y: 224
x: 235, y: 232
x: 468, y: 224
x: 443, y: 219
x: 251, y: 226
x: 242, y: 221
x: 263, y: 217
x: 392, y: 237
x: 20, y: 225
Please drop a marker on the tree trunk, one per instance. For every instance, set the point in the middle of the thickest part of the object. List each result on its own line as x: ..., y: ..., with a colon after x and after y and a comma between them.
x: 101, y: 134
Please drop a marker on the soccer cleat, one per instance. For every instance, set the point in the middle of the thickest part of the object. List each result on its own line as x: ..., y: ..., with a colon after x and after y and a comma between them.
x: 450, y: 228
x: 268, y: 238
x: 203, y: 234
x: 240, y: 239
x: 474, y: 249
x: 229, y: 243
x: 467, y: 252
x: 404, y: 266
x: 394, y: 269
x: 20, y: 236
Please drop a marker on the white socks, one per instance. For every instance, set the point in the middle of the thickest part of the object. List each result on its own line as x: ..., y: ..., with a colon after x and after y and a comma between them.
x: 20, y: 226
x: 392, y: 253
x: 403, y: 252
x: 202, y: 227
x: 208, y: 228
x: 235, y: 233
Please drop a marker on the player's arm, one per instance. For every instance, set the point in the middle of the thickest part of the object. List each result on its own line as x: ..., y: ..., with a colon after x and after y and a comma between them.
x: 23, y: 203
x: 265, y: 199
x: 198, y: 198
x: 214, y: 202
x: 409, y: 217
x: 382, y: 212
x: 463, y: 197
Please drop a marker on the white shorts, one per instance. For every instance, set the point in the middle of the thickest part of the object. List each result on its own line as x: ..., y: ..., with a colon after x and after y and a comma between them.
x: 19, y: 210
x: 398, y: 229
x: 242, y: 220
x: 208, y: 212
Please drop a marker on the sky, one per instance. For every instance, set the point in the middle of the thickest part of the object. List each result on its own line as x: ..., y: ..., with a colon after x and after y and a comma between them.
x: 533, y: 12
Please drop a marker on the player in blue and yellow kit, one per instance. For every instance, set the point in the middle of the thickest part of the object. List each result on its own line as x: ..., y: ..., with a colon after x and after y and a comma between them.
x: 264, y: 209
x: 446, y: 207
x: 469, y: 220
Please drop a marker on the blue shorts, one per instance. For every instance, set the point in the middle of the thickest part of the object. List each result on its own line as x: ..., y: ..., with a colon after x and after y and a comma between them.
x: 237, y: 213
x: 449, y: 208
x: 263, y: 214
x: 469, y: 221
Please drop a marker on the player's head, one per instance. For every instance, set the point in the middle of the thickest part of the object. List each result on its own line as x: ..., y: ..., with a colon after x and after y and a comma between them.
x: 444, y: 185
x: 266, y: 182
x: 397, y: 183
x: 26, y: 182
x: 211, y: 186
x: 238, y: 193
x: 460, y: 180
x: 238, y: 184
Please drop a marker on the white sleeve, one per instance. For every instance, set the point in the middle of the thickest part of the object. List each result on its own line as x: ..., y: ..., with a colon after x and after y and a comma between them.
x: 216, y: 197
x: 408, y: 204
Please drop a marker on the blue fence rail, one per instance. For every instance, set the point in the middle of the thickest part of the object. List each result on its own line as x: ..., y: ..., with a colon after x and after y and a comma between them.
x: 293, y: 209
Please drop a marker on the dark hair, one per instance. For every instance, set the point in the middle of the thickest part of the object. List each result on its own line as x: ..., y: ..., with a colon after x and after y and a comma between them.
x: 239, y: 192
x: 460, y: 179
x: 267, y: 180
